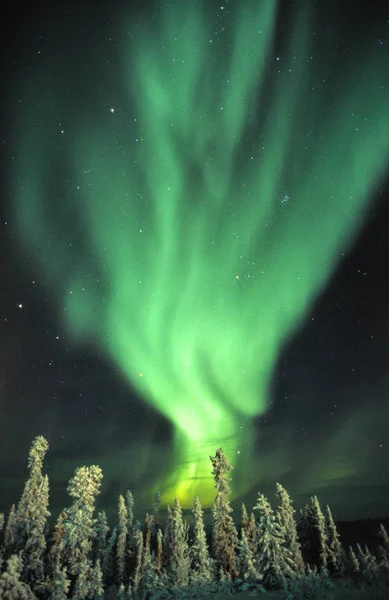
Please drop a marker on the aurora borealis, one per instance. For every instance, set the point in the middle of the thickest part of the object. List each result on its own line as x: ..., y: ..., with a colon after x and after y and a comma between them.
x: 186, y: 202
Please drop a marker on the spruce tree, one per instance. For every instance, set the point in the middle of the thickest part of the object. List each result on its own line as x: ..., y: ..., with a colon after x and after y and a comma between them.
x: 274, y: 560
x: 59, y: 584
x: 251, y: 535
x: 245, y: 518
x: 130, y: 510
x: 137, y: 577
x: 167, y: 537
x: 248, y: 571
x: 79, y: 526
x: 147, y: 535
x: 201, y: 571
x: 225, y: 537
x: 121, y: 545
x: 354, y: 565
x: 82, y: 588
x: 35, y: 546
x: 31, y: 512
x: 285, y: 514
x: 108, y: 564
x: 368, y: 564
x: 179, y: 560
x: 96, y: 588
x: 335, y: 549
x: 11, y: 588
x: 9, y: 533
x: 385, y: 540
x: 149, y: 570
x: 100, y: 537
x: 156, y: 509
x: 320, y: 536
x: 159, y: 551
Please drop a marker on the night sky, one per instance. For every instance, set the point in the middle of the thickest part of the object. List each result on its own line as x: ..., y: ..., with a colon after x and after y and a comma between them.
x: 194, y: 248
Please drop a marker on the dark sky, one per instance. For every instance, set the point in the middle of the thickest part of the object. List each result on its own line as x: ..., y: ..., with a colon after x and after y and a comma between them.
x: 327, y: 418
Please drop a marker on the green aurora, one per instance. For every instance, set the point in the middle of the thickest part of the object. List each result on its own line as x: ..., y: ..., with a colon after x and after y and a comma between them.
x: 188, y: 227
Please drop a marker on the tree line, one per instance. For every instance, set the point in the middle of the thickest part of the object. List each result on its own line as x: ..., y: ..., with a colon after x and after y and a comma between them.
x: 83, y: 558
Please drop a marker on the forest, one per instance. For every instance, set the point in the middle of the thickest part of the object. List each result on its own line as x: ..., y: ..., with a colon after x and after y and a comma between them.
x: 270, y: 553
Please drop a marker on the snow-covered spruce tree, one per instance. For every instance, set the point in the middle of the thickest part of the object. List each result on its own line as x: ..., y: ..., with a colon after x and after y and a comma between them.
x: 313, y: 535
x: 249, y: 573
x: 130, y: 510
x: 2, y: 520
x: 245, y: 518
x: 89, y: 583
x: 320, y: 540
x: 156, y: 509
x: 336, y: 555
x: 56, y: 540
x: 130, y: 524
x: 179, y: 557
x: 83, y: 581
x: 224, y: 534
x: 123, y: 593
x: 79, y: 526
x: 11, y: 588
x: 251, y: 535
x: 121, y: 544
x: 96, y: 588
x: 383, y: 552
x: 147, y: 533
x: 59, y: 584
x: 100, y: 538
x: 285, y: 514
x: 159, y: 551
x: 305, y: 528
x: 34, y: 551
x: 162, y: 574
x: 274, y: 561
x: 368, y: 564
x: 108, y: 564
x: 32, y: 513
x: 383, y: 534
x: 167, y: 537
x: 150, y: 578
x: 354, y: 566
x: 202, y: 568
x: 137, y: 576
x: 9, y: 532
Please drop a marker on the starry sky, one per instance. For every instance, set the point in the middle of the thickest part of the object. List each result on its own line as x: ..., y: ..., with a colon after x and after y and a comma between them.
x: 194, y: 242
